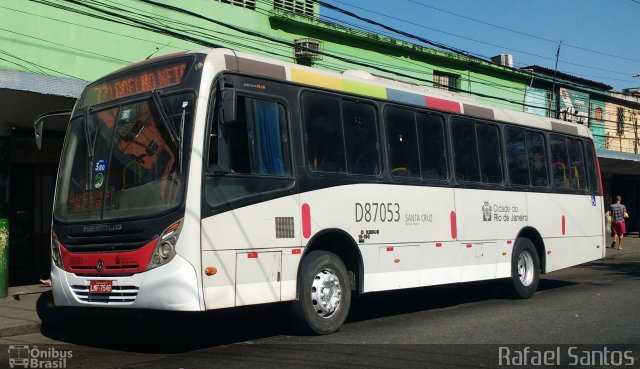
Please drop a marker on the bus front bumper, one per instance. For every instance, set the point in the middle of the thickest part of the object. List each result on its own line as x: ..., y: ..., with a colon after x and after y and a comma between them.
x: 173, y: 286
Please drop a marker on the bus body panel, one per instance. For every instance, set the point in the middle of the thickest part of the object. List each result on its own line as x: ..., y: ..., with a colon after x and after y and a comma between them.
x: 490, y: 215
x: 571, y: 227
x: 252, y: 250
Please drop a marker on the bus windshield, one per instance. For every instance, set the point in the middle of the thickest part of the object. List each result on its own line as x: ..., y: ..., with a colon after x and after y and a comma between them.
x: 125, y: 160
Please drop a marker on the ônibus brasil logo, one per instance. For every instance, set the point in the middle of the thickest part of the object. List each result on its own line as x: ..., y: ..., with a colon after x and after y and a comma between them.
x: 24, y: 356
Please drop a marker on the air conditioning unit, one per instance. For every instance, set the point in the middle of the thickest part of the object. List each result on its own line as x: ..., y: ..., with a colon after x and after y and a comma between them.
x: 503, y: 59
x: 307, y: 50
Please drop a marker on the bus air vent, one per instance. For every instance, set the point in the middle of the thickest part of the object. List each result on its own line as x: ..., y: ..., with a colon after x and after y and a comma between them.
x: 284, y: 227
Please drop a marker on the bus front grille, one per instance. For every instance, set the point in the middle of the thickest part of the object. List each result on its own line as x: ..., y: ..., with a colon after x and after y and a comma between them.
x: 119, y: 294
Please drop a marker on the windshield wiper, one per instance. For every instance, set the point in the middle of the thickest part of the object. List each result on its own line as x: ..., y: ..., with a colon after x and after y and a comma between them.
x: 165, y: 118
x: 177, y: 139
x: 182, y: 119
x: 90, y: 147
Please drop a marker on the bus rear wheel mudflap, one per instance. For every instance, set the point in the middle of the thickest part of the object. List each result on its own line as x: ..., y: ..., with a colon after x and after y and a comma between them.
x: 324, y: 294
x: 525, y: 269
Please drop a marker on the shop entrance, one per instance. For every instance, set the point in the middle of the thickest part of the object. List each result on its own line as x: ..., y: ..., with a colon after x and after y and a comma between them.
x: 32, y: 175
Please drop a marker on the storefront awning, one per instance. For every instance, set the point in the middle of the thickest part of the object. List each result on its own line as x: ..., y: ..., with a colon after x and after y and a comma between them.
x: 616, y: 162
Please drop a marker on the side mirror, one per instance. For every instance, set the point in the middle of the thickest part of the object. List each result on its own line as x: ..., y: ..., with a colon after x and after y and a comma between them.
x: 228, y: 105
x: 39, y: 122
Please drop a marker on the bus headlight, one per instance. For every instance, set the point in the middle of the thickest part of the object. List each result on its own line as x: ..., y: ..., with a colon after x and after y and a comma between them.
x: 55, y: 251
x: 165, y: 250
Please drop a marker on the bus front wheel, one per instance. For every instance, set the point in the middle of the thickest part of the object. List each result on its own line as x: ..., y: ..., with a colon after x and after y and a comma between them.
x: 525, y: 269
x: 324, y: 294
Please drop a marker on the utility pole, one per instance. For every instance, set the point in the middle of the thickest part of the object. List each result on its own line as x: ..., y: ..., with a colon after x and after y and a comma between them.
x: 553, y: 88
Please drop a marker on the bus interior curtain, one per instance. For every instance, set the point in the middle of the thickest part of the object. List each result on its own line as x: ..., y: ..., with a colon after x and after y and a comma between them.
x: 264, y: 126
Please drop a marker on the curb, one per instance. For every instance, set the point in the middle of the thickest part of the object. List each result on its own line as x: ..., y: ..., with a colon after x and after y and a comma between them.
x: 27, y: 328
x: 21, y: 324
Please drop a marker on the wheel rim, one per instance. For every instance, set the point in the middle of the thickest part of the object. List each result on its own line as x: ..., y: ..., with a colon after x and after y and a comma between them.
x: 326, y: 293
x: 525, y: 268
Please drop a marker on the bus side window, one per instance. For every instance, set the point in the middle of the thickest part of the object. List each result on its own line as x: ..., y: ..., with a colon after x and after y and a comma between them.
x: 256, y: 143
x: 250, y: 155
x: 323, y: 133
x: 592, y: 168
x: 559, y: 161
x: 576, y: 158
x: 516, y: 156
x: 433, y: 150
x: 537, y: 159
x: 403, y: 143
x: 489, y: 153
x: 361, y: 138
x: 465, y: 150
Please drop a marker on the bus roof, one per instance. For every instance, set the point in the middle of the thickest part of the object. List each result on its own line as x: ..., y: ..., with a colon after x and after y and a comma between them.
x: 363, y: 83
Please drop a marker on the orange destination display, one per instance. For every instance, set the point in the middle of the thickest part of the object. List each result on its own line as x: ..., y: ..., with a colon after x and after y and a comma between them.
x: 135, y: 82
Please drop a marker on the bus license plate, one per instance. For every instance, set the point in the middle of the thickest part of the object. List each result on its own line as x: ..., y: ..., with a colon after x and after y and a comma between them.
x: 100, y: 286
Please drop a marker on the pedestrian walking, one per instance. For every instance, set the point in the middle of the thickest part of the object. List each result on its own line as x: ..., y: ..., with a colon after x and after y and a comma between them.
x: 618, y: 213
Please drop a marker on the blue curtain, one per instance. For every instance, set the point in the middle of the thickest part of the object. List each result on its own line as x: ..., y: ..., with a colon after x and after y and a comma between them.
x: 266, y: 146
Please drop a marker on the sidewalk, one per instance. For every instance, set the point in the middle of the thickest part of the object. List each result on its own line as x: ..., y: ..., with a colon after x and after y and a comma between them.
x: 630, y: 243
x: 19, y: 315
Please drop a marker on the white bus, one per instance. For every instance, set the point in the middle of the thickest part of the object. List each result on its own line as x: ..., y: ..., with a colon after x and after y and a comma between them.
x: 216, y: 179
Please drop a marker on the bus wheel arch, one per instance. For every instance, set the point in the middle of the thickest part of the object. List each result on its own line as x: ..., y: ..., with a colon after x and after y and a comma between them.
x: 327, y: 278
x: 534, y: 236
x: 525, y: 266
x: 342, y: 245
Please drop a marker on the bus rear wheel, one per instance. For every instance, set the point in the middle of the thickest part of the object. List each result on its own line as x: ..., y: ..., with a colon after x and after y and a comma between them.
x: 525, y: 269
x: 324, y: 294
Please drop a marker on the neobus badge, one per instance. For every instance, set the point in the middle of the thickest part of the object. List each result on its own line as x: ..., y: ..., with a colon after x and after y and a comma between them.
x: 102, y: 227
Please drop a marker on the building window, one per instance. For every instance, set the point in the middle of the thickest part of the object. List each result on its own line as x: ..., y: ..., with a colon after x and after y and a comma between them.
x: 304, y: 8
x: 620, y: 121
x: 249, y: 4
x: 445, y: 81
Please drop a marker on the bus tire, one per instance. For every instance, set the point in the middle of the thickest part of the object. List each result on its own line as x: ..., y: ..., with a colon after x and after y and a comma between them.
x: 525, y: 269
x: 324, y: 294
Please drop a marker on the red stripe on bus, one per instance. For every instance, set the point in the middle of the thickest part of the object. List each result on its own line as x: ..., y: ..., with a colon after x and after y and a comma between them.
x: 122, y: 262
x: 296, y: 251
x: 252, y: 255
x: 454, y: 226
x: 601, y: 190
x: 306, y: 221
x: 564, y: 225
x: 448, y: 105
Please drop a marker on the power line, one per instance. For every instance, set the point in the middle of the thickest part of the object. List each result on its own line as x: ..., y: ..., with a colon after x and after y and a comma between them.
x: 406, y: 34
x: 520, y: 32
x: 143, y: 25
x: 40, y: 68
x: 66, y: 46
x: 369, y: 30
x: 88, y: 27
